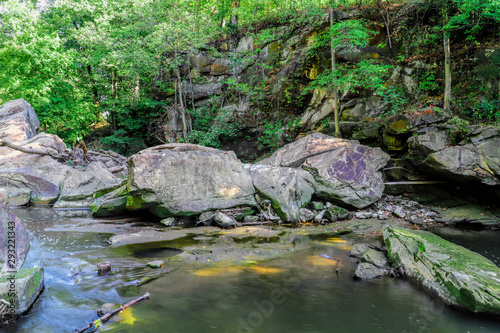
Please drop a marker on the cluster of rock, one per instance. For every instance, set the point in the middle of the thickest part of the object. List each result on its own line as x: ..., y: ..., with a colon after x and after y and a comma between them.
x: 373, y: 262
x: 437, y: 145
x: 36, y: 167
x: 186, y: 179
x: 391, y: 206
x: 458, y: 276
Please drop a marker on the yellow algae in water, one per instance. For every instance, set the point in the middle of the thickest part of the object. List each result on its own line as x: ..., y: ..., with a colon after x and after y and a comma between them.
x: 216, y: 271
x: 339, y: 243
x: 317, y: 260
x: 265, y: 270
x: 246, y: 231
x: 229, y: 192
x: 127, y: 317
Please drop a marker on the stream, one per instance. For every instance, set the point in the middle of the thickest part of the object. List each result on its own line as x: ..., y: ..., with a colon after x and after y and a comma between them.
x: 300, y: 292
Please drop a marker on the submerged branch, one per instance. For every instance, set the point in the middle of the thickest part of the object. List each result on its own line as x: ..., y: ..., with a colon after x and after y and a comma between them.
x: 97, y: 323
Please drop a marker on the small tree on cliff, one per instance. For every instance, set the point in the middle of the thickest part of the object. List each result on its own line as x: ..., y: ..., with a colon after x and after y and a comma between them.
x: 342, y: 78
x: 470, y: 16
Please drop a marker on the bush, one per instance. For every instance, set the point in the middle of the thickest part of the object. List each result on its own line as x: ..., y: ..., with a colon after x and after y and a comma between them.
x: 487, y: 110
x: 396, y: 99
x: 271, y: 136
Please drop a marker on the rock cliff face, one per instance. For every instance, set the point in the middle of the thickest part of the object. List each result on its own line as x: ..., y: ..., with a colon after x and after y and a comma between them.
x: 283, y: 60
x: 459, y: 277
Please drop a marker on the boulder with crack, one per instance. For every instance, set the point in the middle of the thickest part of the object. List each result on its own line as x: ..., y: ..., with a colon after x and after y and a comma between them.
x: 287, y: 188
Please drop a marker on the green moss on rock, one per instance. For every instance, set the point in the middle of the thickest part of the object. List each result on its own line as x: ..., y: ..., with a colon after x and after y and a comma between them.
x: 460, y: 277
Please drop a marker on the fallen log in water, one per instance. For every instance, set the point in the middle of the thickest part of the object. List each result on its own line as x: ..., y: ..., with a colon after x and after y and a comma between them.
x: 98, y: 322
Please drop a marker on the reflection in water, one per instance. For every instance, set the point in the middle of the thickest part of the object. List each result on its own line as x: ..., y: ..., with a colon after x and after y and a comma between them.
x: 486, y: 242
x: 299, y: 293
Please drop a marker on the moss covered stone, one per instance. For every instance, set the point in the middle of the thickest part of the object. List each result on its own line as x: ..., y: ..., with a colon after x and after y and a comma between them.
x: 21, y: 289
x: 460, y: 277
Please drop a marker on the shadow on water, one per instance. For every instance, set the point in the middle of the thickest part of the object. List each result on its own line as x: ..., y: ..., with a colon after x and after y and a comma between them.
x: 297, y: 293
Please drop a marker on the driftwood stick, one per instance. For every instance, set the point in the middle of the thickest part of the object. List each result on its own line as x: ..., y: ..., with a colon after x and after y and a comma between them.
x: 27, y: 150
x: 248, y: 224
x: 205, y: 220
x: 118, y: 169
x: 108, y: 315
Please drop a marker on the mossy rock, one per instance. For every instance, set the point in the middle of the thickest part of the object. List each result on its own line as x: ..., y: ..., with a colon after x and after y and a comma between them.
x: 460, y: 277
x: 21, y: 289
x: 400, y: 126
x: 336, y: 213
x: 394, y: 142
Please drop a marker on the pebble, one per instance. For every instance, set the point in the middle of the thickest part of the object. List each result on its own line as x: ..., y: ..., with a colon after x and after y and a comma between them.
x: 156, y: 263
x: 407, y: 209
x: 363, y: 215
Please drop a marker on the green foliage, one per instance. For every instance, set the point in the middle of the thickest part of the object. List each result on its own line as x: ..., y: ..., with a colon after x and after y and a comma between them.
x: 212, y: 125
x: 487, y: 110
x: 396, y: 99
x: 271, y: 135
x: 349, y: 34
x: 428, y: 83
x: 366, y: 74
x: 460, y: 130
x: 130, y: 136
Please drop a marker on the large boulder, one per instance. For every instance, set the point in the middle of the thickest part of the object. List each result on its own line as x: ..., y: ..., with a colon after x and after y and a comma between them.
x: 36, y: 172
x: 340, y: 170
x: 475, y: 161
x: 428, y: 143
x: 80, y: 187
x: 460, y: 277
x: 287, y: 188
x: 187, y: 179
x: 349, y: 175
x: 18, y: 120
x: 21, y: 289
x: 41, y: 174
x: 294, y: 154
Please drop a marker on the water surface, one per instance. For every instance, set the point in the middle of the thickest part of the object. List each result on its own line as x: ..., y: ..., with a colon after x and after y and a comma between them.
x: 298, y: 293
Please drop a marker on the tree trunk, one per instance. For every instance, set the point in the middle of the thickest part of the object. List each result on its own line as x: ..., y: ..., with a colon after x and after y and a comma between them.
x: 115, y: 88
x: 94, y: 87
x: 447, y: 72
x: 234, y: 17
x: 136, y: 90
x: 335, y: 87
x: 114, y: 85
x: 183, y: 109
